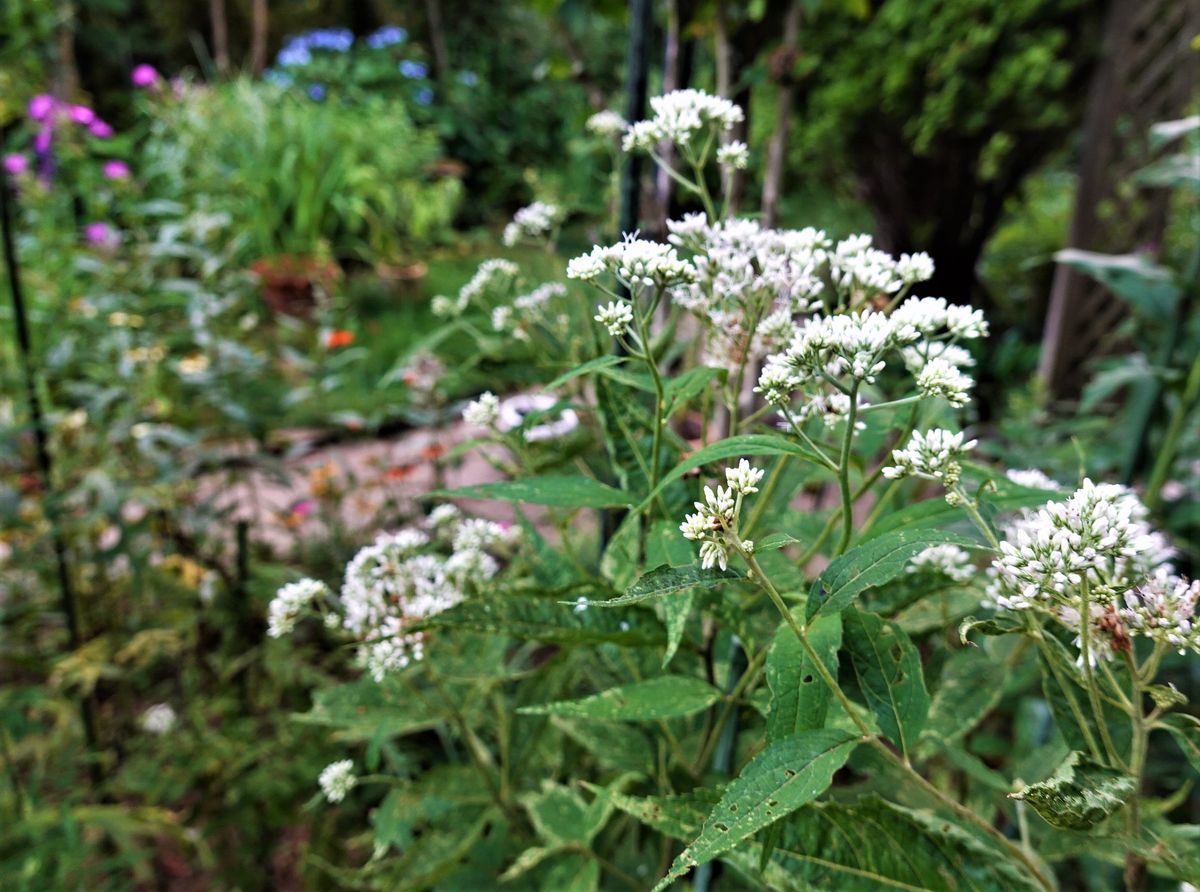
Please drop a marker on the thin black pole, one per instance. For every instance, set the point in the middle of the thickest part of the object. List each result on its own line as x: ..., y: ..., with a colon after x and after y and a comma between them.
x: 636, y: 84
x: 44, y: 462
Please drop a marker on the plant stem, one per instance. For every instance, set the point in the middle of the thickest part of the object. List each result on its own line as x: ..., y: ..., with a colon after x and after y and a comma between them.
x: 659, y: 398
x: 1089, y: 673
x: 844, y: 472
x: 873, y: 740
x: 1135, y: 865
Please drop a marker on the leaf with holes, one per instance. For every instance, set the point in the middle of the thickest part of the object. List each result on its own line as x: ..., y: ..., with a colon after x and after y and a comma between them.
x: 873, y: 563
x: 668, y: 697
x: 786, y: 775
x: 799, y: 697
x: 1080, y: 795
x: 888, y: 669
x: 667, y: 581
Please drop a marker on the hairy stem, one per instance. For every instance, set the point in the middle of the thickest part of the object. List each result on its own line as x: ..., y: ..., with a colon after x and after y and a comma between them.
x: 844, y: 472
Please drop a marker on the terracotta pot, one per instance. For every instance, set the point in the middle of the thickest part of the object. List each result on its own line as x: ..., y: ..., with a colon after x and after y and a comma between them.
x: 290, y: 283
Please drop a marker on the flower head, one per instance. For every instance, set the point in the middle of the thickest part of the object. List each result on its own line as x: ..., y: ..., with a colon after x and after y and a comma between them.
x: 337, y: 779
x: 933, y: 455
x: 484, y: 411
x: 682, y: 117
x: 616, y: 317
x: 116, y: 170
x: 535, y: 223
x: 606, y: 123
x: 158, y: 719
x: 16, y: 164
x: 289, y: 602
x: 735, y: 155
x: 144, y: 76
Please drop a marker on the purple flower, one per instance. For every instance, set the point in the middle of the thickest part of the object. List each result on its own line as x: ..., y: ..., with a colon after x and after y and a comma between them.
x: 388, y: 35
x: 424, y: 96
x: 414, y: 70
x: 40, y: 106
x: 116, y: 170
x: 316, y: 92
x: 101, y: 235
x: 100, y: 129
x: 144, y: 76
x: 42, y: 140
x: 16, y: 164
x: 81, y: 114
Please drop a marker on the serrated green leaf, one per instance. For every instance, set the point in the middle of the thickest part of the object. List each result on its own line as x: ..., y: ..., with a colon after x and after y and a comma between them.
x: 681, y: 389
x: 732, y: 447
x: 667, y: 581
x: 561, y: 817
x: 559, y: 492
x: 1186, y: 731
x: 963, y: 699
x: 775, y: 541
x: 1079, y: 795
x: 786, y: 775
x: 591, y: 365
x: 888, y: 669
x: 575, y: 873
x: 873, y: 563
x: 667, y: 697
x: 541, y: 620
x: 674, y: 611
x: 366, y: 710
x: 799, y: 698
x: 680, y: 816
x: 875, y: 844
x: 991, y: 626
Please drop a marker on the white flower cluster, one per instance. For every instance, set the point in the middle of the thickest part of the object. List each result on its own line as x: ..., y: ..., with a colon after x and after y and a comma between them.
x: 403, y: 578
x: 940, y: 379
x: 606, y: 123
x: 158, y: 719
x: 513, y: 412
x: 933, y: 455
x: 494, y: 274
x: 683, y: 117
x: 1032, y: 478
x: 484, y: 411
x: 534, y: 223
x: 1100, y: 539
x: 616, y: 317
x: 950, y: 561
x: 734, y: 154
x: 634, y: 262
x: 337, y: 779
x: 291, y: 601
x: 716, y: 518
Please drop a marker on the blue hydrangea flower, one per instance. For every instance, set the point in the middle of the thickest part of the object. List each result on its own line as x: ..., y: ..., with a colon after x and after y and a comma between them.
x: 278, y: 78
x: 414, y: 70
x: 468, y: 78
x: 389, y: 35
x: 316, y: 92
x: 424, y: 96
x: 338, y: 40
x: 294, y: 52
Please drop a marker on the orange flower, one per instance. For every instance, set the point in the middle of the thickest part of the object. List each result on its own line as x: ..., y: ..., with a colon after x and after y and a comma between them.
x: 400, y: 472
x: 433, y: 452
x: 339, y: 337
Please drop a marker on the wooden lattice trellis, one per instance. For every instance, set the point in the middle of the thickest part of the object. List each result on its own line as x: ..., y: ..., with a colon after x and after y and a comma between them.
x: 1147, y: 74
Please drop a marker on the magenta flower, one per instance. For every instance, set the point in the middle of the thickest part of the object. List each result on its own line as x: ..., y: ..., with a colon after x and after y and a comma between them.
x: 304, y: 508
x: 81, y: 114
x: 116, y: 170
x: 40, y: 106
x: 42, y: 140
x: 100, y: 129
x: 101, y: 235
x: 16, y: 164
x: 144, y: 76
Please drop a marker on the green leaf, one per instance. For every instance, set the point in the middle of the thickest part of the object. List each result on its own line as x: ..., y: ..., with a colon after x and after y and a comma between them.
x: 541, y: 620
x: 993, y: 626
x: 799, y: 697
x: 963, y: 698
x: 560, y: 492
x: 871, y: 564
x: 681, y: 389
x: 591, y: 365
x: 1186, y: 731
x: 575, y: 873
x: 667, y: 581
x: 775, y: 541
x: 561, y: 817
x: 1067, y: 696
x: 1150, y: 289
x: 888, y: 669
x: 786, y: 775
x: 732, y: 447
x: 935, y: 513
x: 666, y: 697
x: 1080, y: 795
x: 674, y: 611
x: 874, y: 844
x: 680, y: 816
x: 366, y: 710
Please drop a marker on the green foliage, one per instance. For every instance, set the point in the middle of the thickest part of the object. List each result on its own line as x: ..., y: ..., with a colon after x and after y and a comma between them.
x: 667, y: 697
x: 1079, y: 795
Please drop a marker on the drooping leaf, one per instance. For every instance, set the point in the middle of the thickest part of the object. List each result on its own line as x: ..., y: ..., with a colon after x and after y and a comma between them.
x: 1080, y: 794
x: 873, y: 563
x: 1186, y: 731
x: 971, y: 686
x: 561, y: 492
x: 875, y: 844
x: 542, y: 620
x: 799, y: 697
x: 786, y: 775
x: 1150, y: 290
x: 666, y: 697
x: 732, y: 447
x: 591, y: 365
x: 667, y: 581
x: 888, y: 669
x: 680, y: 816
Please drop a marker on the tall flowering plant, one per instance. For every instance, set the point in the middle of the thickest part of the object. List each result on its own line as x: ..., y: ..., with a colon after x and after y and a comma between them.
x: 812, y: 614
